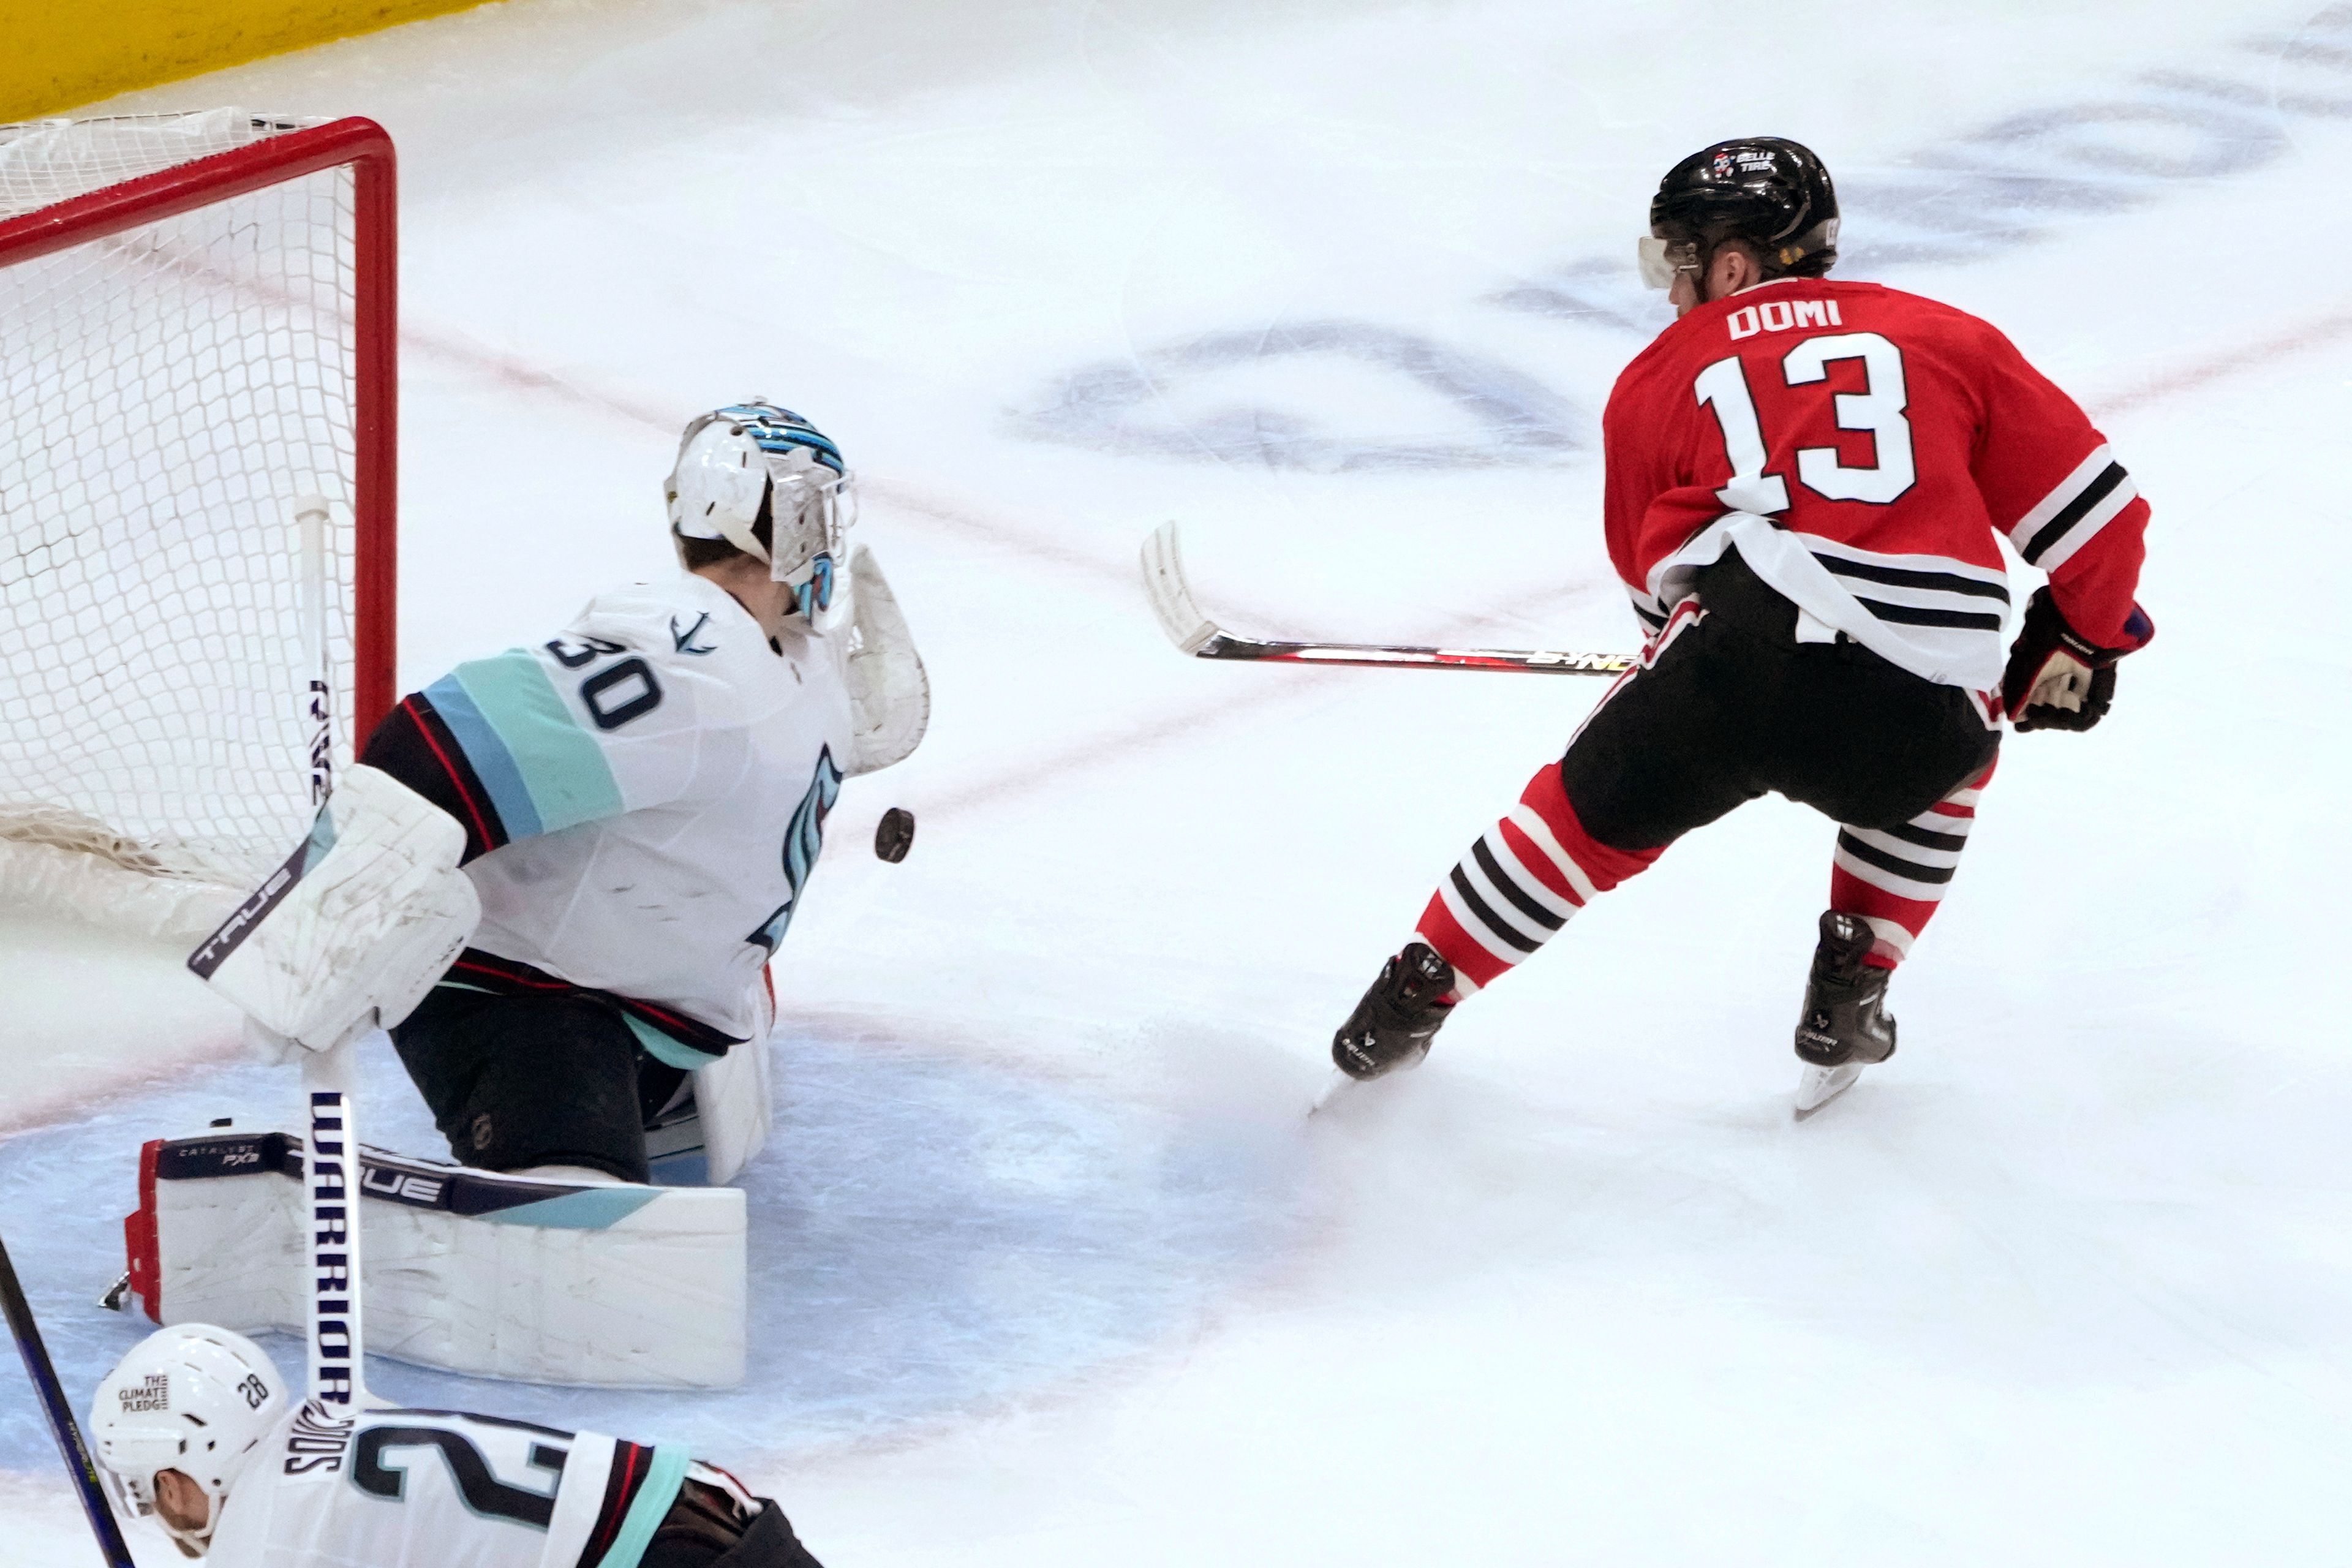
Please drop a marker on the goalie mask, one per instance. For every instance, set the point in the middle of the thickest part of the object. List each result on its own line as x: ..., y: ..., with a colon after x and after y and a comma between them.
x: 770, y: 484
x: 193, y: 1399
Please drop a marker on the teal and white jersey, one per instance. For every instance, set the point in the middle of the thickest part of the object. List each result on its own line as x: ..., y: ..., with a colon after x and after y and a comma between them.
x: 437, y: 1489
x: 644, y: 797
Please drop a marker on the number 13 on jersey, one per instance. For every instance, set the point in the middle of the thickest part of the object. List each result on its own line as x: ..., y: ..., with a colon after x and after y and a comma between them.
x: 1876, y: 410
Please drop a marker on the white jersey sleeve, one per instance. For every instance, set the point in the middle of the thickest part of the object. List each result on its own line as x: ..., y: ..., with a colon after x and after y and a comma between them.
x: 438, y: 1489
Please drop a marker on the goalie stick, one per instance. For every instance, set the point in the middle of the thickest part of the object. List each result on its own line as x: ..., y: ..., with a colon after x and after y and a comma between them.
x: 331, y: 1241
x: 1194, y: 633
x: 62, y: 1425
x: 331, y: 1152
x: 310, y: 519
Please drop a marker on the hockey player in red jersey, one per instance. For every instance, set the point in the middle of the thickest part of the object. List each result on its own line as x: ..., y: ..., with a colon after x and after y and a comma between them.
x: 1805, y: 481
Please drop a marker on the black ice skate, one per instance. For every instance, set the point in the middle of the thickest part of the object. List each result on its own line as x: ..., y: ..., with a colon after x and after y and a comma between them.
x: 1391, y: 1027
x: 1846, y: 1025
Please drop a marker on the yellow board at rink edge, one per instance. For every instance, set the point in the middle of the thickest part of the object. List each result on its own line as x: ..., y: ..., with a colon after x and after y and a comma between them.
x: 57, y: 55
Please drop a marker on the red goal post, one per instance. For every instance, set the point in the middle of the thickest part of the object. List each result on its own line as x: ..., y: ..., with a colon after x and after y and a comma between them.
x: 198, y: 335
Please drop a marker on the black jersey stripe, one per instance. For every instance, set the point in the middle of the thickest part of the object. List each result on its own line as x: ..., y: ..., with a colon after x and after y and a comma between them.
x: 1927, y: 838
x: 1918, y: 615
x: 414, y: 744
x: 2072, y: 512
x: 1906, y: 577
x: 631, y: 1463
x: 1911, y: 869
x: 1510, y: 888
x: 1486, y: 916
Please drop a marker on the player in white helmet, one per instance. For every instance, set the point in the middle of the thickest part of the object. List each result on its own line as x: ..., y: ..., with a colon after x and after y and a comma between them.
x: 177, y: 1420
x: 558, y: 873
x: 193, y: 1430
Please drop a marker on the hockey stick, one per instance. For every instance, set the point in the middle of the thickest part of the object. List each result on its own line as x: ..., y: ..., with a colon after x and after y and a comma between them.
x: 331, y: 1191
x: 62, y: 1425
x: 310, y: 517
x: 1194, y: 633
x: 331, y: 1147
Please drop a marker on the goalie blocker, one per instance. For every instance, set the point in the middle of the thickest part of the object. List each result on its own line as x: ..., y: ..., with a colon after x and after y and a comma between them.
x: 357, y: 924
x: 601, y: 1285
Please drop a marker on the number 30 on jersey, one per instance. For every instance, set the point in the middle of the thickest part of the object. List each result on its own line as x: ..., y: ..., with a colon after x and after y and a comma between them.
x: 1876, y: 409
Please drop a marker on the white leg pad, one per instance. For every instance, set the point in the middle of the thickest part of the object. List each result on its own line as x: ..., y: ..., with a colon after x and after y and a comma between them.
x: 735, y: 1100
x: 603, y: 1285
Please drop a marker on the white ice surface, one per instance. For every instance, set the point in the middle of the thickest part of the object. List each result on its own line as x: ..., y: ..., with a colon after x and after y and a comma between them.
x: 2068, y: 1281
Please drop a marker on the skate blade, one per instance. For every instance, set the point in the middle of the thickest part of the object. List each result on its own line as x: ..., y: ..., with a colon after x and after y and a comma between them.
x: 1338, y: 1089
x: 1816, y: 1087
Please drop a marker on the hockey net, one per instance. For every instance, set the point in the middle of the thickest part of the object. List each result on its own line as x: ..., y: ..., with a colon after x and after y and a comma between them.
x: 196, y: 339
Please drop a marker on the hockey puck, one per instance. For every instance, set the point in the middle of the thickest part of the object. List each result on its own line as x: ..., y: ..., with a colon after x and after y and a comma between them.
x: 895, y: 834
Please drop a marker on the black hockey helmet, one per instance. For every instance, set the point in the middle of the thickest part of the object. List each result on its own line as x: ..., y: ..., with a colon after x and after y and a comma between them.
x: 1766, y: 190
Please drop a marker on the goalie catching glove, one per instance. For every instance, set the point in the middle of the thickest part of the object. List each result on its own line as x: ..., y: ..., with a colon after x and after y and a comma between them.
x: 2058, y: 680
x: 888, y: 690
x: 356, y: 926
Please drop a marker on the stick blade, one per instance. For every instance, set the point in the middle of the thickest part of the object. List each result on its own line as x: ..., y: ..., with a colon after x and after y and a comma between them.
x: 1172, y: 596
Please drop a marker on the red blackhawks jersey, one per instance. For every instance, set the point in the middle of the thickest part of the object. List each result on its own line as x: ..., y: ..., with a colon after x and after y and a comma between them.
x: 1861, y: 447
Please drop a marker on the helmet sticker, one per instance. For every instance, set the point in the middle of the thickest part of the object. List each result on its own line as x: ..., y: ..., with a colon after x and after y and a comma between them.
x: 151, y: 1392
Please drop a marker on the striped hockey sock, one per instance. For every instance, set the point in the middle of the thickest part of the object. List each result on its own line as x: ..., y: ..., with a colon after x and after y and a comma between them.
x: 1893, y: 877
x: 1519, y: 884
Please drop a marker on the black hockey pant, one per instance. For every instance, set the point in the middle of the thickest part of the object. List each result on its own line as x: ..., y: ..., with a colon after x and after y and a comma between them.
x: 704, y: 1529
x: 517, y: 1081
x: 1726, y: 706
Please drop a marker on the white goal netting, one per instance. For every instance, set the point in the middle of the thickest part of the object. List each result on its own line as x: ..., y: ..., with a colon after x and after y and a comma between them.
x: 169, y: 391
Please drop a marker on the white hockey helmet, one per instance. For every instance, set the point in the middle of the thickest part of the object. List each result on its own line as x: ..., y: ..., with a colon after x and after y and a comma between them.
x: 191, y: 1398
x: 756, y: 462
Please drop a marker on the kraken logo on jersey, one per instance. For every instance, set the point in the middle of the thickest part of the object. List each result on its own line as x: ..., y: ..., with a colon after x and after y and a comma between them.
x: 802, y: 839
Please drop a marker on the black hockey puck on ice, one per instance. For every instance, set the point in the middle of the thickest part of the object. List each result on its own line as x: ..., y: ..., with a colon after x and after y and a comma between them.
x: 895, y: 834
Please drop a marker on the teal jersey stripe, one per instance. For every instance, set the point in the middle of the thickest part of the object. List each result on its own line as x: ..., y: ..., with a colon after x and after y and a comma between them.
x: 594, y: 1208
x: 560, y: 765
x: 647, y: 1509
x: 493, y: 764
x: 663, y: 1048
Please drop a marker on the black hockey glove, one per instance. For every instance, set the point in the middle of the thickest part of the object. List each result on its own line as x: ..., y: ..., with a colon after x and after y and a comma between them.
x: 2057, y: 678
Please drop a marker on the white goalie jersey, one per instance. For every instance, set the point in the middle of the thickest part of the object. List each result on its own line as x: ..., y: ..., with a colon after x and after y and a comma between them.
x: 435, y: 1489
x: 644, y: 797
